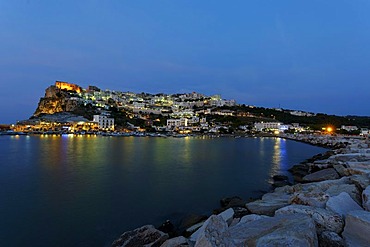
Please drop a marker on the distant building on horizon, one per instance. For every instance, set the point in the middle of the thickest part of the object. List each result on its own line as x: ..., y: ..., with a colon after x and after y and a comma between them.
x: 267, y: 125
x: 349, y: 128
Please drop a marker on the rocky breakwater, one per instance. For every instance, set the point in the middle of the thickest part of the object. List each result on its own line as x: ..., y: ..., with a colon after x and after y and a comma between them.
x: 330, y: 206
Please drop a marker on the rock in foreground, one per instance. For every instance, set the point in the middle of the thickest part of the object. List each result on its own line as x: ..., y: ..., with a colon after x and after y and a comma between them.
x: 143, y: 236
x: 357, y: 229
x: 283, y: 230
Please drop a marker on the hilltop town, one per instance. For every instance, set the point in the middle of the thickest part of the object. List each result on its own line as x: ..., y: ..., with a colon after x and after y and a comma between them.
x: 69, y: 108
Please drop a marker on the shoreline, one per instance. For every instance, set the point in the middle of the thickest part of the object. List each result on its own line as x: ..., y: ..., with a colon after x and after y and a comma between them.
x: 318, y: 182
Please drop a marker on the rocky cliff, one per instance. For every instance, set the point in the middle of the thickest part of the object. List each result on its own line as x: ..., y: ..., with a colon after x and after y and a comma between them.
x: 59, y: 100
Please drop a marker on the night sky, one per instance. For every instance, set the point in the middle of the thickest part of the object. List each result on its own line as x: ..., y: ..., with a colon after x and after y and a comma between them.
x: 305, y: 55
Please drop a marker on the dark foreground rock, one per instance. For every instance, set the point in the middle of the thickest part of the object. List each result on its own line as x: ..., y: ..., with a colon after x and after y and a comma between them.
x: 143, y: 236
x: 234, y: 201
x: 330, y: 239
x: 176, y: 242
x: 322, y: 175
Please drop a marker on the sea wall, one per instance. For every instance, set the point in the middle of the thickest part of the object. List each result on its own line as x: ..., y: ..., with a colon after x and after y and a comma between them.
x: 328, y: 205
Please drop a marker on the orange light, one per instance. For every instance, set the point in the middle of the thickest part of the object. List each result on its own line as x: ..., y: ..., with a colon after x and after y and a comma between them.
x: 329, y: 129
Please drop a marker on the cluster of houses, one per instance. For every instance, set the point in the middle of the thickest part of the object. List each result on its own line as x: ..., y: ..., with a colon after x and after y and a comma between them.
x: 184, y: 113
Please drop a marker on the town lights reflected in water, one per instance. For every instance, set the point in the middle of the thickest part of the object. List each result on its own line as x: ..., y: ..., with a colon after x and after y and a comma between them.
x: 87, y: 190
x: 279, y: 158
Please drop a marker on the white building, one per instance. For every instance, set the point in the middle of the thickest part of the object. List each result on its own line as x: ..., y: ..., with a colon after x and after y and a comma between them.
x: 174, y: 123
x: 104, y: 122
x: 349, y: 128
x: 301, y: 114
x: 364, y: 132
x: 267, y: 125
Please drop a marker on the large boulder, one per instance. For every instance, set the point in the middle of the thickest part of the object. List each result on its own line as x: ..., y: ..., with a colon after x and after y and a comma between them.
x: 351, y: 189
x: 341, y: 170
x: 366, y: 198
x: 270, y: 202
x: 360, y: 167
x: 176, y: 242
x: 266, y: 207
x: 227, y: 215
x: 210, y: 233
x: 146, y: 235
x: 361, y: 181
x: 321, y: 186
x: 322, y: 175
x: 310, y: 198
x: 342, y: 204
x: 252, y: 217
x: 283, y: 230
x: 325, y: 220
x: 357, y: 229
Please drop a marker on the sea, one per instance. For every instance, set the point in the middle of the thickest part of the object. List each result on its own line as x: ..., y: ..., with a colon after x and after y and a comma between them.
x: 87, y: 190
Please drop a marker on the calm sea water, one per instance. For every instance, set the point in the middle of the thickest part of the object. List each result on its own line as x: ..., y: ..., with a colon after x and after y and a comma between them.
x: 86, y: 191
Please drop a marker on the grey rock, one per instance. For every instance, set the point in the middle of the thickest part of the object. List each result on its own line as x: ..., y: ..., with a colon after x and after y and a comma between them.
x: 351, y: 189
x: 350, y: 157
x: 324, y: 219
x: 234, y: 222
x: 323, y: 185
x: 210, y: 233
x: 194, y: 227
x: 252, y: 217
x: 266, y: 207
x: 361, y: 181
x: 330, y: 239
x: 357, y: 229
x: 366, y: 198
x: 342, y: 204
x: 212, y: 220
x: 283, y: 230
x: 276, y: 196
x: 144, y: 236
x: 227, y: 215
x: 310, y: 198
x: 176, y: 242
x: 341, y: 170
x: 360, y: 167
x: 270, y: 202
x: 325, y: 174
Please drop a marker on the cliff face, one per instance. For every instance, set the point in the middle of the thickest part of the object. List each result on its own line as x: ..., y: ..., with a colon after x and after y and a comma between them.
x: 57, y: 100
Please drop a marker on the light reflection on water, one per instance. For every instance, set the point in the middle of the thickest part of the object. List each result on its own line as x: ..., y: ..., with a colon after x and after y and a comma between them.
x: 279, y: 157
x: 87, y: 190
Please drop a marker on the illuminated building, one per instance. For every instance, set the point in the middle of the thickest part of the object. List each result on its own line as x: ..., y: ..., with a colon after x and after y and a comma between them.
x: 104, y: 122
x: 349, y: 128
x: 177, y: 122
x: 267, y: 125
x: 68, y: 86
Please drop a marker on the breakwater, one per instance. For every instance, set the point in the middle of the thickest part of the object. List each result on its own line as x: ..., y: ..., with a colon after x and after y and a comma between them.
x: 328, y: 205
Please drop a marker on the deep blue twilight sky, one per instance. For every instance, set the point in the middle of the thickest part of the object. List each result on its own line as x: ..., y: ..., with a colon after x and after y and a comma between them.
x: 308, y: 55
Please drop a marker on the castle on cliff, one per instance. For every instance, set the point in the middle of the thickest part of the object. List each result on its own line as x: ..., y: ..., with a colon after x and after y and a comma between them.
x: 68, y: 86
